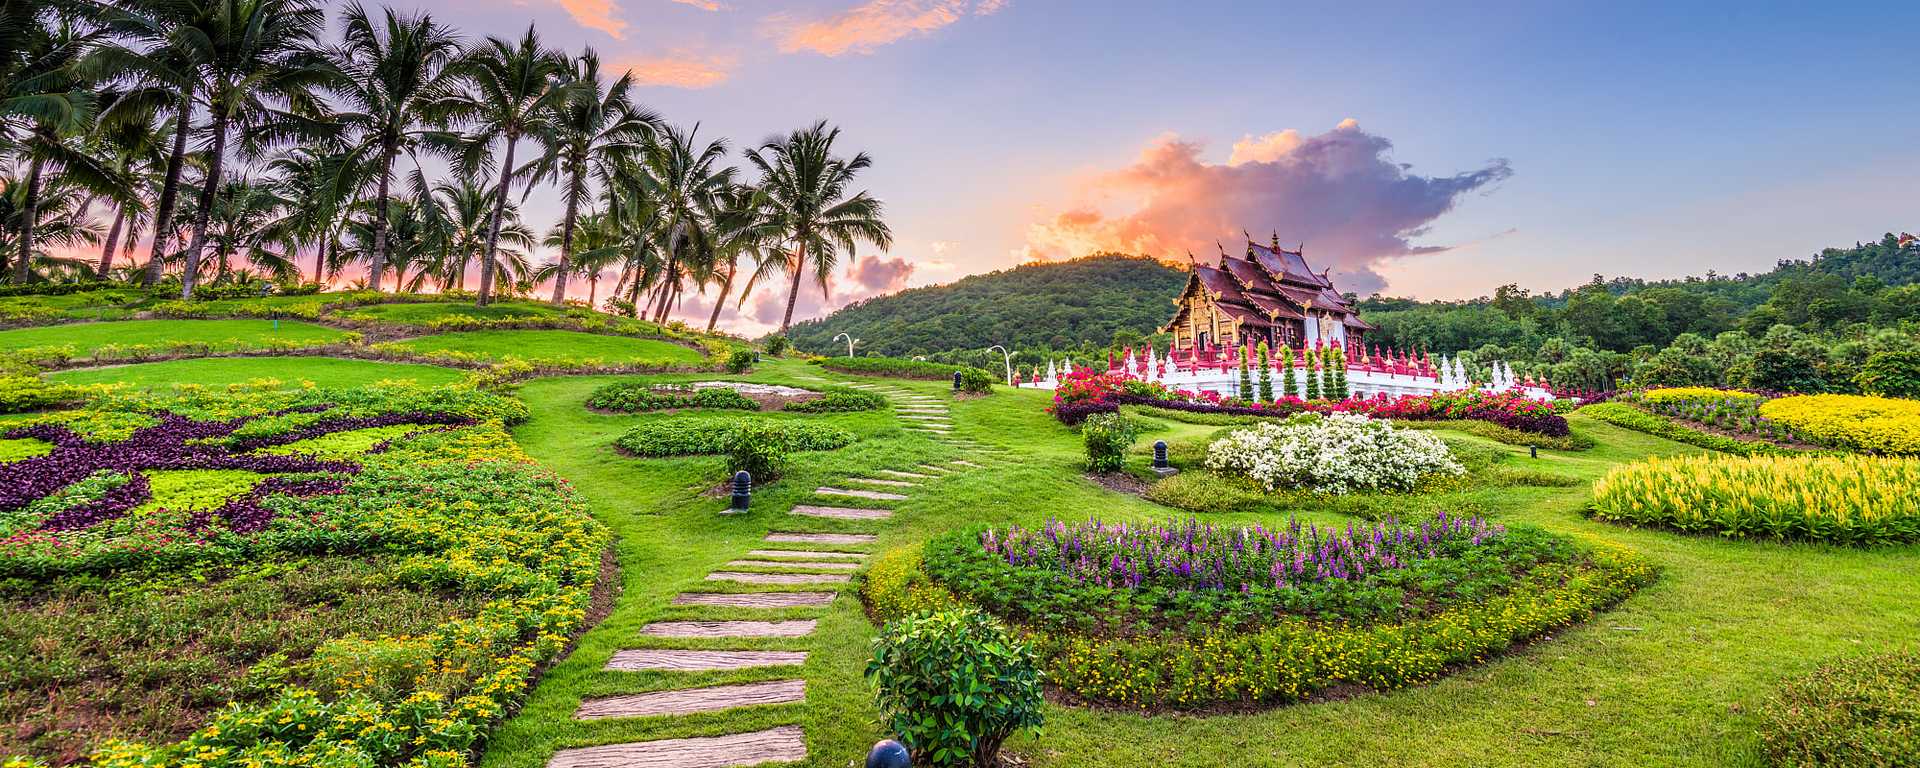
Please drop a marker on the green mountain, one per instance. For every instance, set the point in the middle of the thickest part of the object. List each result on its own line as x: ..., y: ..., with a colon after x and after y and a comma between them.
x: 1056, y: 305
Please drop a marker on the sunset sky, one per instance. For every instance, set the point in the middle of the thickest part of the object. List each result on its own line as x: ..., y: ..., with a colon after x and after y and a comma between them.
x: 1425, y: 149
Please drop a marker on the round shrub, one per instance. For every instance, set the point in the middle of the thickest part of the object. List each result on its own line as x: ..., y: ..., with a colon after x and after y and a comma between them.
x: 758, y: 448
x: 1108, y: 437
x: 778, y: 345
x: 976, y: 381
x: 1338, y: 453
x: 1858, y: 712
x: 741, y: 361
x: 1860, y: 500
x: 954, y: 685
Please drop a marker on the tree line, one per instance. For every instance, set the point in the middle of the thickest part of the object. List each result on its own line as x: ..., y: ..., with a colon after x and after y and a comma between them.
x: 229, y: 131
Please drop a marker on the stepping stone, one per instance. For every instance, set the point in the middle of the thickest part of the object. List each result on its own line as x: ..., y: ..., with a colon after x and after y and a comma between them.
x: 809, y: 554
x: 693, y: 700
x: 965, y: 463
x: 878, y: 481
x: 757, y: 599
x: 918, y: 417
x: 778, y: 578
x: 898, y: 473
x: 858, y: 493
x: 793, y: 628
x: 817, y: 566
x: 694, y: 661
x: 842, y: 513
x: 934, y: 468
x: 785, y: 744
x: 821, y: 538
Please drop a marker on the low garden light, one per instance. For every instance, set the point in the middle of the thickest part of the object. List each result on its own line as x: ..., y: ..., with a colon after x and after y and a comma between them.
x: 888, y: 753
x: 742, y: 491
x: 1161, y: 466
x: 956, y: 381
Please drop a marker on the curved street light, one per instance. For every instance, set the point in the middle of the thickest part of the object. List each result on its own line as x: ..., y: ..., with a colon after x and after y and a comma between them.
x: 850, y: 342
x: 1009, y: 361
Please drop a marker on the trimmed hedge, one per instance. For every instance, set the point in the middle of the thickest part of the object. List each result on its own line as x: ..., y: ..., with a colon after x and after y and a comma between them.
x: 1856, y: 712
x: 839, y: 400
x: 643, y: 396
x: 893, y: 367
x: 700, y: 437
x: 1629, y: 417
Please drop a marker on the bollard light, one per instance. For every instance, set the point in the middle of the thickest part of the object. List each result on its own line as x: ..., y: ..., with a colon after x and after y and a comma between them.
x: 742, y: 490
x: 889, y: 754
x: 956, y: 381
x: 1160, y: 454
x: 1534, y: 451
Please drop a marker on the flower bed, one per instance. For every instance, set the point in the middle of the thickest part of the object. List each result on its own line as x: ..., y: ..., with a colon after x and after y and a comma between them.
x: 1338, y: 453
x: 451, y: 508
x: 641, y: 397
x: 1081, y: 393
x: 1185, y: 615
x: 698, y: 436
x: 1621, y: 414
x: 1860, y: 500
x: 1880, y: 425
x: 1726, y: 410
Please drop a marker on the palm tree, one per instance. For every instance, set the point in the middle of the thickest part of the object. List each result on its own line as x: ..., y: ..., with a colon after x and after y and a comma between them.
x: 241, y: 224
x: 741, y: 228
x: 309, y: 177
x: 395, y: 75
x: 807, y: 190
x: 58, y: 225
x: 513, y: 91
x: 132, y: 145
x: 261, y: 68
x: 680, y: 179
x: 47, y: 100
x: 592, y: 133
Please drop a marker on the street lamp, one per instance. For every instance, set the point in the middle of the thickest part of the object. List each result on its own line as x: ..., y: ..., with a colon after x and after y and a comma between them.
x: 850, y: 342
x: 1009, y: 361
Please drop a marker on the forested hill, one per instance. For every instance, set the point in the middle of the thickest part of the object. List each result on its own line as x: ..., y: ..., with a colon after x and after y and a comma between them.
x: 1055, y: 305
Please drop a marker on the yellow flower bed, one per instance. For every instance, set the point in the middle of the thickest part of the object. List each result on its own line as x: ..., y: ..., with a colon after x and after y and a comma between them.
x: 1869, y: 424
x: 1670, y: 394
x: 1841, y: 499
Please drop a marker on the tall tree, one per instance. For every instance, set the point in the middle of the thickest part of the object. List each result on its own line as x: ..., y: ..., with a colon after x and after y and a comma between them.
x: 808, y: 191
x: 47, y: 102
x: 261, y: 69
x: 590, y: 135
x: 681, y: 179
x: 512, y: 91
x: 741, y: 228
x: 395, y: 75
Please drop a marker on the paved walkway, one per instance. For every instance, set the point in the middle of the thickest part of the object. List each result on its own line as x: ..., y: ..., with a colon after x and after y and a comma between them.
x: 801, y: 571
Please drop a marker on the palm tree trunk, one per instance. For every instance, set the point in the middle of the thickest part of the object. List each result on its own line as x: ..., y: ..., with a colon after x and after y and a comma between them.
x: 320, y: 259
x: 726, y: 287
x: 113, y: 241
x: 493, y: 230
x: 593, y: 289
x: 566, y: 248
x: 170, y: 190
x: 379, y: 264
x: 793, y: 295
x: 28, y: 212
x: 206, y: 208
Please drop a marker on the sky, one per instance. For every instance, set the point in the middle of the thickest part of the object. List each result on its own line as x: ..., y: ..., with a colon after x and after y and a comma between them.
x: 1433, y: 150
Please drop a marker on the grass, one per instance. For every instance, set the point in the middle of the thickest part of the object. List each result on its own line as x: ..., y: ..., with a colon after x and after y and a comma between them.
x: 223, y: 371
x: 221, y: 335
x: 556, y: 346
x: 1672, y: 677
x: 421, y: 313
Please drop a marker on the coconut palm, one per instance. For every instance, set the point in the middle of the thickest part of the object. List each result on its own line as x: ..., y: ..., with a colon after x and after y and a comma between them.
x: 807, y: 190
x: 309, y: 177
x: 58, y: 226
x: 681, y: 179
x: 45, y: 106
x: 395, y: 73
x: 130, y: 138
x: 591, y: 134
x: 741, y: 228
x: 512, y: 92
x: 262, y: 66
x: 242, y: 225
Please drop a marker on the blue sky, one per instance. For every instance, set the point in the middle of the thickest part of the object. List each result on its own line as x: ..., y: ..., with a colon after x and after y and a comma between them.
x: 1649, y: 139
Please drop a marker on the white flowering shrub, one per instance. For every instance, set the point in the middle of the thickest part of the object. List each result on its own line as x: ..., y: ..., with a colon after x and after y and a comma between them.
x: 1336, y: 453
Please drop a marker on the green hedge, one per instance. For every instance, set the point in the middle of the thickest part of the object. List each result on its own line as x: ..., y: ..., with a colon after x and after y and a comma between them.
x: 700, y: 437
x: 645, y: 396
x: 1629, y: 417
x: 839, y: 400
x: 897, y: 368
x: 1860, y: 712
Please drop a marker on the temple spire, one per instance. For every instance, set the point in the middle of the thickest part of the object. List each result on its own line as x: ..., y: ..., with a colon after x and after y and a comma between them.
x: 1276, y: 241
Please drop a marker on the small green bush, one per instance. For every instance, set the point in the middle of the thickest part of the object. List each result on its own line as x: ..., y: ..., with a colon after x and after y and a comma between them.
x: 741, y: 361
x: 1108, y: 436
x: 778, y: 345
x: 1859, y: 712
x: 758, y: 448
x: 839, y: 400
x: 954, y: 685
x: 976, y: 381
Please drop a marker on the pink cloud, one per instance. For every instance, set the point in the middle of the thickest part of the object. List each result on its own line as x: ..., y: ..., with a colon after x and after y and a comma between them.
x: 705, y: 5
x: 597, y: 14
x: 872, y: 24
x: 679, y: 69
x: 1338, y: 192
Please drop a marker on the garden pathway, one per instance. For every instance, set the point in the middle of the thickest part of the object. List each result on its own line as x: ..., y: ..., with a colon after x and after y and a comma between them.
x: 792, y: 567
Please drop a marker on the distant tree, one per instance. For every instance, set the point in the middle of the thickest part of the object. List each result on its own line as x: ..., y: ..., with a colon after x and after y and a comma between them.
x: 1891, y: 374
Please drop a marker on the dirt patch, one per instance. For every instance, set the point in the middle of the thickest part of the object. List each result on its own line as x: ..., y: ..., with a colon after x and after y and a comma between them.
x: 1119, y: 482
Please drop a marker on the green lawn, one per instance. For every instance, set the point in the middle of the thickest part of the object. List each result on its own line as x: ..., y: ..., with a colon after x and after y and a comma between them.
x: 430, y: 311
x: 221, y: 335
x: 556, y: 346
x: 222, y: 371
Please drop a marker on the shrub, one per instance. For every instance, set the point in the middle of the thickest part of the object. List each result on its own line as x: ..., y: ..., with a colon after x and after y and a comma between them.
x: 778, y: 345
x: 954, y: 685
x: 1339, y: 453
x: 1851, y: 422
x: 698, y: 437
x: 897, y: 368
x: 1623, y: 415
x: 741, y: 361
x: 1108, y: 436
x: 839, y: 400
x: 642, y: 397
x: 976, y: 381
x: 758, y: 448
x: 1841, y: 499
x: 1890, y: 374
x: 1856, y: 712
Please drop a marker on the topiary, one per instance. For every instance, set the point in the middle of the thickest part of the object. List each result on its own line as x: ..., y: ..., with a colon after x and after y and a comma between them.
x: 954, y: 685
x: 1108, y: 436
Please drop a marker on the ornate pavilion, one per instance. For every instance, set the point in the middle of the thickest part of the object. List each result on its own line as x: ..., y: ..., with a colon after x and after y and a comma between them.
x: 1271, y: 295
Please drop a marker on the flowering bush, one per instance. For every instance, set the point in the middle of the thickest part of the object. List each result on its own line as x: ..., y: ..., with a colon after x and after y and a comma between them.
x: 1338, y: 453
x: 1878, y: 425
x: 1841, y: 499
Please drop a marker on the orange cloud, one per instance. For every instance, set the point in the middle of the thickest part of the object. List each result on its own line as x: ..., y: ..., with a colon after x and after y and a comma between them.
x: 872, y: 24
x: 705, y: 5
x: 602, y: 15
x: 1340, y: 192
x: 679, y: 69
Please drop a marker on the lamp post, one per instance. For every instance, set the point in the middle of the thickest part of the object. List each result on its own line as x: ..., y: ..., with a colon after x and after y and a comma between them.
x: 850, y: 342
x: 1008, y: 358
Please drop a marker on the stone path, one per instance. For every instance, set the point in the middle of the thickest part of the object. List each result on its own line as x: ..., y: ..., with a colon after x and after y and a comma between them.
x: 789, y: 572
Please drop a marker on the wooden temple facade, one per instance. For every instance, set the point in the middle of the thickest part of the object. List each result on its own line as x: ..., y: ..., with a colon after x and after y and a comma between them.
x: 1270, y: 295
